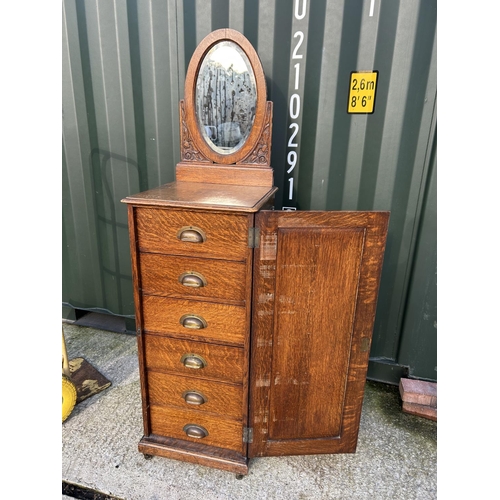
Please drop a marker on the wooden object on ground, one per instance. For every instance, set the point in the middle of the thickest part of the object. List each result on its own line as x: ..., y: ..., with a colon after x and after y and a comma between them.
x: 87, y: 379
x: 254, y: 389
x: 316, y: 277
x: 419, y: 397
x: 425, y: 411
x: 253, y: 326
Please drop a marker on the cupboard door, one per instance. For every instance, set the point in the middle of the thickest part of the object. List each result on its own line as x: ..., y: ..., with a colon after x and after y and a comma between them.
x: 316, y: 279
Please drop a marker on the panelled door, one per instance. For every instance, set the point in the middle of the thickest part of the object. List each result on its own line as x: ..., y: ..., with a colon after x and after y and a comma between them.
x: 316, y: 279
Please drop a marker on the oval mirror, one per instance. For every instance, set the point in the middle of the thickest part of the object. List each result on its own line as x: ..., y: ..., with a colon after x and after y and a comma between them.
x: 226, y: 97
x: 225, y: 110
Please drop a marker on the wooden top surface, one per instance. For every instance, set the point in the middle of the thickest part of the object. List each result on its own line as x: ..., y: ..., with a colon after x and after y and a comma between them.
x: 205, y: 196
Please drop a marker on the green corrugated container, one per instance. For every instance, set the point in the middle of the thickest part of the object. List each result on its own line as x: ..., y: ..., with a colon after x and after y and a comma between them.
x: 124, y: 65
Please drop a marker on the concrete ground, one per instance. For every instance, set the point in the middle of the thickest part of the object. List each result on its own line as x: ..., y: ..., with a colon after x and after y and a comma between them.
x: 396, y: 456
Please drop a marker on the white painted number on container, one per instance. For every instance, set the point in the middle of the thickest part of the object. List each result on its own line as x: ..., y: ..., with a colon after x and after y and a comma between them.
x: 296, y: 54
x: 292, y: 160
x: 294, y: 105
x: 295, y: 127
x: 297, y: 73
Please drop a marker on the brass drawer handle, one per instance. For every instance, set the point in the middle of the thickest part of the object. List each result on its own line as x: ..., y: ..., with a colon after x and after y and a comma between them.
x: 194, y: 398
x: 191, y: 234
x: 193, y: 322
x: 195, y: 431
x: 194, y: 361
x: 192, y: 279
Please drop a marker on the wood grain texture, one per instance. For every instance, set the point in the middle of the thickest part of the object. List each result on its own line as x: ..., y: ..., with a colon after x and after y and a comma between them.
x: 223, y: 399
x: 268, y: 326
x: 216, y: 195
x: 419, y: 410
x: 196, y: 453
x: 223, y: 363
x: 217, y: 174
x: 134, y: 255
x: 190, y: 89
x: 225, y: 323
x: 316, y: 283
x: 418, y: 391
x: 225, y: 280
x: 207, y: 197
x: 223, y: 433
x: 226, y: 235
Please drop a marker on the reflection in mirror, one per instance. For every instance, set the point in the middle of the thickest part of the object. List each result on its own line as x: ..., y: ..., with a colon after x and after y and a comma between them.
x: 226, y: 97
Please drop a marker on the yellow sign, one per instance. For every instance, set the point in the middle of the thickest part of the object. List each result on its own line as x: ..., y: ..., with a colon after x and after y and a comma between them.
x: 362, y: 89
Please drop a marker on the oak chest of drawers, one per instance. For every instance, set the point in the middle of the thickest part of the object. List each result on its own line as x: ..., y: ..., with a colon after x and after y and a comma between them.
x: 254, y: 326
x: 193, y: 285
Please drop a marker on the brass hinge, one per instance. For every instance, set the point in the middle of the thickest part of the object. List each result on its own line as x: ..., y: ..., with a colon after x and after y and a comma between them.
x: 253, y: 237
x: 365, y: 344
x: 248, y: 434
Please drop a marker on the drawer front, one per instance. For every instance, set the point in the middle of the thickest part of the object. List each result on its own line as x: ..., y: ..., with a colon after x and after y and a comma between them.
x: 196, y: 394
x: 181, y: 356
x: 194, y: 318
x: 173, y: 276
x: 221, y: 432
x: 176, y: 232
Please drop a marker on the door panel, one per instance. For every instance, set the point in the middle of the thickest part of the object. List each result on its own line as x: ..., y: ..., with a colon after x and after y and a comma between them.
x: 315, y: 288
x: 315, y: 296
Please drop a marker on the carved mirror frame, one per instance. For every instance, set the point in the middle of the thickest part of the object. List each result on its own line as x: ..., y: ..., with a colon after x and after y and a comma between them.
x: 256, y: 150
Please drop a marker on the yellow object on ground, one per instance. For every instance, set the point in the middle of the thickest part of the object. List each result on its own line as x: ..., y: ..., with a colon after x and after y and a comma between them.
x: 80, y: 380
x: 68, y: 397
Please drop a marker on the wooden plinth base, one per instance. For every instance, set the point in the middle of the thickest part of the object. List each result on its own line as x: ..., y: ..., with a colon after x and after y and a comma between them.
x: 194, y: 453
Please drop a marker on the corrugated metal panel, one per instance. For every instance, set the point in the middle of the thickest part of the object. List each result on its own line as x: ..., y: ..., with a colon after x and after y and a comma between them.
x: 124, y: 67
x: 418, y: 344
x: 121, y: 132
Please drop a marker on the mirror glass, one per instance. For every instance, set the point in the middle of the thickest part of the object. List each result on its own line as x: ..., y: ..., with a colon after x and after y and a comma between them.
x: 226, y: 97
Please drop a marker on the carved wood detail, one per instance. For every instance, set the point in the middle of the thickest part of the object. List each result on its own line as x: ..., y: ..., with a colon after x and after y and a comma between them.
x: 189, y: 152
x: 261, y: 154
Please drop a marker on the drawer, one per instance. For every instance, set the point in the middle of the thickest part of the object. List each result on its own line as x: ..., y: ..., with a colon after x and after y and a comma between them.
x: 221, y: 432
x: 196, y: 394
x: 176, y: 232
x: 194, y: 318
x: 174, y: 276
x: 220, y: 362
